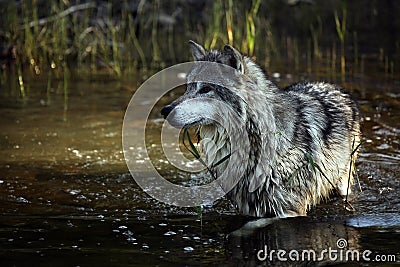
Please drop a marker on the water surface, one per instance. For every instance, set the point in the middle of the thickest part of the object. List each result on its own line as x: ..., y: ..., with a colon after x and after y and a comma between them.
x: 67, y: 198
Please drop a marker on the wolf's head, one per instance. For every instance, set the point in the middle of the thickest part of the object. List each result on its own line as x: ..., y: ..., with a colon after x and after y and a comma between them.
x: 232, y: 100
x: 213, y: 86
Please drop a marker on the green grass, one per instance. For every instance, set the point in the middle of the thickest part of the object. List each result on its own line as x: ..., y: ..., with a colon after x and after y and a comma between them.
x: 341, y: 29
x: 194, y: 151
x: 121, y: 39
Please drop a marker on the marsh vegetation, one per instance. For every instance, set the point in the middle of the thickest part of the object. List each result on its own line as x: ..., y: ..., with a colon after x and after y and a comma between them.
x: 127, y: 38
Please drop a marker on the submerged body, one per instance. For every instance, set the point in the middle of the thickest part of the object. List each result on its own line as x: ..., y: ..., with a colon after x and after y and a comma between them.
x: 301, y: 138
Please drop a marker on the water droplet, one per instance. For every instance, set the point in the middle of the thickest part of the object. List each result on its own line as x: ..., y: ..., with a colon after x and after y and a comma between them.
x: 276, y: 75
x: 22, y: 200
x: 181, y: 75
x: 128, y: 233
x: 383, y: 146
x: 170, y: 233
x: 131, y: 239
x: 188, y: 249
x: 73, y: 191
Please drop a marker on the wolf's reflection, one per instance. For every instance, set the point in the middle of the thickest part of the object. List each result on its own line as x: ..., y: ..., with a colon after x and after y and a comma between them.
x: 299, y: 234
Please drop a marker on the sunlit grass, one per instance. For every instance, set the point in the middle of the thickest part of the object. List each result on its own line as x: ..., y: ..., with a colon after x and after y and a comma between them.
x: 121, y: 39
x: 341, y: 29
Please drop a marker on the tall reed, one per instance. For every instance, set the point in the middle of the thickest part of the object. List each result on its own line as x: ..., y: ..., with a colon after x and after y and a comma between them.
x: 341, y: 32
x: 251, y: 27
x: 118, y: 38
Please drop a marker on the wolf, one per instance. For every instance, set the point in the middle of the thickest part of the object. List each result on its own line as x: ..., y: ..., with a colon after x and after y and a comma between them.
x: 302, y: 139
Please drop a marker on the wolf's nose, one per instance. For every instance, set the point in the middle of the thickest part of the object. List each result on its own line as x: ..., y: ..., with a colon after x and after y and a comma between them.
x: 166, y: 110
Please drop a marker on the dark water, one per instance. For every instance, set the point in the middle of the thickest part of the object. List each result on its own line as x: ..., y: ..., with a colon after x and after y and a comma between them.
x: 67, y: 198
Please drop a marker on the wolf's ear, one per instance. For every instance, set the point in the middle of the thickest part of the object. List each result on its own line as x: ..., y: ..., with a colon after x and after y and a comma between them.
x: 198, y: 51
x: 236, y: 58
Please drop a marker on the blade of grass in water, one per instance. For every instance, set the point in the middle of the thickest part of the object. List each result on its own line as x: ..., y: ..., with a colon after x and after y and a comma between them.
x: 193, y: 150
x: 199, y: 210
x: 21, y: 83
x: 295, y: 173
x: 351, y: 165
x: 221, y: 160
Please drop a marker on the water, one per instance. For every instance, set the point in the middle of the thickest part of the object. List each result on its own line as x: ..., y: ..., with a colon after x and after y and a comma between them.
x: 67, y: 198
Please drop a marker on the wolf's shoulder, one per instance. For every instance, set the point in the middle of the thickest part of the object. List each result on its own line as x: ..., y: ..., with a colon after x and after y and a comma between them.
x: 321, y: 91
x: 313, y: 88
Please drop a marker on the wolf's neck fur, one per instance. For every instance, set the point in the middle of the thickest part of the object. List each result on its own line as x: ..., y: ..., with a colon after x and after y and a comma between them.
x: 215, y: 145
x: 263, y: 146
x: 257, y: 75
x: 276, y: 100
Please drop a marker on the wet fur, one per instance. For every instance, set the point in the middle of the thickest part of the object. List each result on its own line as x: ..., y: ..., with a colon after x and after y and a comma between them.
x: 286, y: 127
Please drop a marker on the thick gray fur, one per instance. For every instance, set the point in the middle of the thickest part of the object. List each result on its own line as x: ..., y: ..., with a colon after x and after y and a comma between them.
x: 291, y: 131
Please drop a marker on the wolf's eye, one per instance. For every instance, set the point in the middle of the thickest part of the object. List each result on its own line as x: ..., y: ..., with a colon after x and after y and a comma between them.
x: 205, y: 90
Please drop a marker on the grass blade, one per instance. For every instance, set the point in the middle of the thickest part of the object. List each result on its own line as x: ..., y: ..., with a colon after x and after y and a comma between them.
x: 193, y: 150
x: 221, y: 160
x: 295, y: 173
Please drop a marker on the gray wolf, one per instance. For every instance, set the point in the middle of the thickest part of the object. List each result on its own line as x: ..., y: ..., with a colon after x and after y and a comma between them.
x: 301, y: 138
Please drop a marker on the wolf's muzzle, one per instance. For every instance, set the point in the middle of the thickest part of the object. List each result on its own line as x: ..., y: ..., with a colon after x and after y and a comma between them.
x: 166, y: 110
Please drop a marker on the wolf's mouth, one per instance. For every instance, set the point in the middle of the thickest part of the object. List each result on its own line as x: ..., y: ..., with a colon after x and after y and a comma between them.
x: 195, y: 123
x: 182, y: 125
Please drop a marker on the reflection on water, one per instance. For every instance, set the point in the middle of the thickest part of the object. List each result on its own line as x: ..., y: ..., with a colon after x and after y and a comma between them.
x: 66, y: 197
